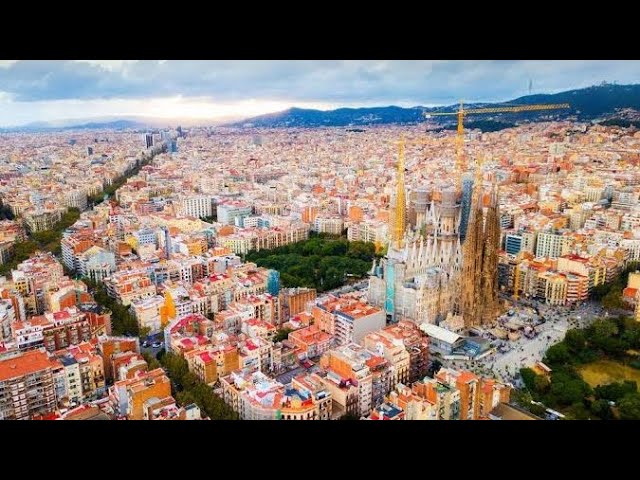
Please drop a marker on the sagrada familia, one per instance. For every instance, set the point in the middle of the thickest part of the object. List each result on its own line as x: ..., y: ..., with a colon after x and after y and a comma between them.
x: 447, y: 262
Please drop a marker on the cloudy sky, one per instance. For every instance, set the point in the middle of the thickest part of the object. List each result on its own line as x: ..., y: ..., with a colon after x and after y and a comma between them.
x: 50, y: 90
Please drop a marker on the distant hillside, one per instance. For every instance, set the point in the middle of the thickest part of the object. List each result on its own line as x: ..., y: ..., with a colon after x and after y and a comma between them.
x: 92, y: 125
x: 300, y: 117
x: 591, y: 102
x: 586, y: 104
x: 115, y: 125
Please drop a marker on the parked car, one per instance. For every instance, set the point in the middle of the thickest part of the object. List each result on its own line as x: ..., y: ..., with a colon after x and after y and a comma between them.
x: 145, y: 344
x: 157, y: 344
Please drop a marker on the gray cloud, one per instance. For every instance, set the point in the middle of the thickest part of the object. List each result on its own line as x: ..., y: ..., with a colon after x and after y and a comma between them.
x: 349, y: 82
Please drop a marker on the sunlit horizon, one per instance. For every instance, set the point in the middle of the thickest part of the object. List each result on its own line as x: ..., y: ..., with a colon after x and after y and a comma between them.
x: 177, y: 107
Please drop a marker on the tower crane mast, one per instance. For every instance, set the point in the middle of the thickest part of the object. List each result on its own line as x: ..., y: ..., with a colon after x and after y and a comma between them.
x: 461, y: 165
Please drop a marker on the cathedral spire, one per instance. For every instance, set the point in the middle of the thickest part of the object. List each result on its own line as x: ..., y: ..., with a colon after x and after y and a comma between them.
x: 399, y: 220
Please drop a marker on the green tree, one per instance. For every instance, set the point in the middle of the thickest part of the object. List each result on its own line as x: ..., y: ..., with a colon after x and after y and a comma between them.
x: 615, y: 391
x: 578, y: 411
x: 188, y: 388
x: 538, y: 410
x: 629, y: 407
x: 152, y: 362
x: 604, y: 328
x: 320, y: 262
x: 541, y: 384
x: 186, y: 397
x: 575, y: 341
x: 601, y: 409
x: 567, y: 388
x: 631, y: 335
x: 528, y: 377
x: 282, y: 334
x: 557, y: 354
x: 613, y: 299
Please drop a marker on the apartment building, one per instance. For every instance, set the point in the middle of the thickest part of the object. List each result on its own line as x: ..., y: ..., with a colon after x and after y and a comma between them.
x: 198, y: 206
x: 27, y: 386
x: 348, y: 319
x: 478, y: 396
x: 128, y: 397
x: 394, y: 351
x: 415, y: 342
x: 127, y: 286
x: 552, y: 245
x: 7, y: 318
x: 244, y: 241
x: 53, y: 331
x: 256, y: 397
x: 108, y: 347
x: 147, y: 311
x: 228, y: 212
x: 210, y: 362
x: 310, y: 342
x: 43, y: 219
x: 332, y: 225
x: 427, y: 399
x: 31, y: 276
x: 352, y: 365
x: 295, y: 300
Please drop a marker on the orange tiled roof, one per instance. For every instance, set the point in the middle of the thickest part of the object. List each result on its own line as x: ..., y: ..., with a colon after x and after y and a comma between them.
x: 29, y: 362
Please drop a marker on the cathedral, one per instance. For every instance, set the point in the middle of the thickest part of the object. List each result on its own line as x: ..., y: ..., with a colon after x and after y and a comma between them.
x: 419, y: 277
x: 428, y: 272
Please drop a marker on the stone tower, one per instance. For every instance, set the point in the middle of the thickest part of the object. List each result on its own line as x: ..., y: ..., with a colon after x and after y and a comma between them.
x: 489, y: 284
x: 479, y: 279
x: 472, y: 251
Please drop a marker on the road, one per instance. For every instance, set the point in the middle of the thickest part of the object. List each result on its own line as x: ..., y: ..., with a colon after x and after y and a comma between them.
x: 525, y: 352
x: 153, y: 351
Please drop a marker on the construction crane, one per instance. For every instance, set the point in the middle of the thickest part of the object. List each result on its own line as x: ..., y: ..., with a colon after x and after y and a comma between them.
x: 462, y: 112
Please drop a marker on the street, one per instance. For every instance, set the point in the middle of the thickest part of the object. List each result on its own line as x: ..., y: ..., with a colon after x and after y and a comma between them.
x: 153, y: 351
x: 524, y: 352
x: 151, y: 340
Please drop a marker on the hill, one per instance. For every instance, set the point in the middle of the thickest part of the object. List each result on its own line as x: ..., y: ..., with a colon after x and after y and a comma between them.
x: 97, y: 124
x: 592, y: 103
x: 341, y: 117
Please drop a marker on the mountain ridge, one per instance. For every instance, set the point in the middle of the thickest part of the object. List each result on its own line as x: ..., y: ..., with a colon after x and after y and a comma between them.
x: 109, y: 123
x: 597, y: 102
x: 587, y: 104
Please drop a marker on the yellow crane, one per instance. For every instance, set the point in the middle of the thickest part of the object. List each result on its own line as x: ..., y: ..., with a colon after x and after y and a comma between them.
x: 462, y: 112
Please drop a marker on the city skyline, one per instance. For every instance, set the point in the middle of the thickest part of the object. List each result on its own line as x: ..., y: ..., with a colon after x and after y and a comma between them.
x: 473, y: 262
x: 218, y: 91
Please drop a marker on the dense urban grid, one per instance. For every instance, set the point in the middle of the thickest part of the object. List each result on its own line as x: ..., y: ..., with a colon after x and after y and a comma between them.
x: 320, y: 273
